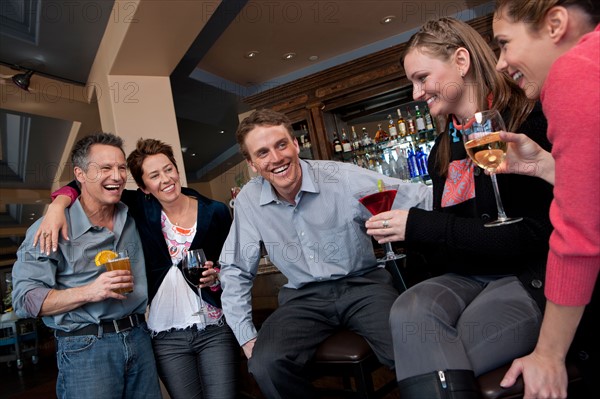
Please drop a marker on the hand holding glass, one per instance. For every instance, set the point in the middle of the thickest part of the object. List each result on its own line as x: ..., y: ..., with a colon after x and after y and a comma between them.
x: 193, y: 265
x: 121, y: 262
x: 481, y: 135
x: 376, y: 200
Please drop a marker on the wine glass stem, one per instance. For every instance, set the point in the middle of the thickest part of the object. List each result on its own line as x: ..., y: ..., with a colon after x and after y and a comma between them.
x: 200, y: 302
x: 389, y: 251
x: 501, y: 214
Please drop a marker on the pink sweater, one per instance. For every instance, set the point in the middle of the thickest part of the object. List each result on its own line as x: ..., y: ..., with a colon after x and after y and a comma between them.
x: 571, y: 102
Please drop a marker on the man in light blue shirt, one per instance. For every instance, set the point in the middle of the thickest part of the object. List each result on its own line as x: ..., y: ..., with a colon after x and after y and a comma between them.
x: 313, y: 229
x: 103, y: 345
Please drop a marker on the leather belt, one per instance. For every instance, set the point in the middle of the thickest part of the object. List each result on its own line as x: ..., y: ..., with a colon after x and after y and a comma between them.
x: 121, y: 325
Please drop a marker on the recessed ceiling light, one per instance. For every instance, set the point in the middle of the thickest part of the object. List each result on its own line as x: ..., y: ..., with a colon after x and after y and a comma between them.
x: 222, y: 131
x: 388, y: 19
x: 288, y: 56
x: 313, y: 58
x: 251, y: 54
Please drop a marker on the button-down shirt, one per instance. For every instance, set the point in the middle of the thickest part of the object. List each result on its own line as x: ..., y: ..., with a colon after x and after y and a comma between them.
x: 72, y: 265
x: 322, y: 237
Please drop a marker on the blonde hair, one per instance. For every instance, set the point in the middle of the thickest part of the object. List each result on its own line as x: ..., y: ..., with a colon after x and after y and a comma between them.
x: 441, y: 38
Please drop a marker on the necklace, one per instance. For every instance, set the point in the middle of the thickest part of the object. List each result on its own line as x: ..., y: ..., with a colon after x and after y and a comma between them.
x: 184, y: 213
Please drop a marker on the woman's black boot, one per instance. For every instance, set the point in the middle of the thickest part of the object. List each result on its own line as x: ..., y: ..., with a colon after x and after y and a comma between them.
x: 448, y: 384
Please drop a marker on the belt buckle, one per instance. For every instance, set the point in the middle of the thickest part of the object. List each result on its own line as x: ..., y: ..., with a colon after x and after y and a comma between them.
x: 116, y: 324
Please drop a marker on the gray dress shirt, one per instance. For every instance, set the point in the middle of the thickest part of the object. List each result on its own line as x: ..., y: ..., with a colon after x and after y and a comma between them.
x: 322, y: 237
x: 72, y: 265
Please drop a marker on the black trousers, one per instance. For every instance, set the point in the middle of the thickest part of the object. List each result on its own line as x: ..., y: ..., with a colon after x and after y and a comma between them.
x: 307, y: 316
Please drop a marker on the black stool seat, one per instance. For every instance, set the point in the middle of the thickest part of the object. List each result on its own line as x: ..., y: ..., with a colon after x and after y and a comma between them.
x: 348, y: 355
x: 489, y: 383
x: 343, y: 346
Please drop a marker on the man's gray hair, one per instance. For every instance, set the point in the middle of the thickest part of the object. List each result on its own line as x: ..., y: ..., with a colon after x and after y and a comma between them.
x: 81, y: 150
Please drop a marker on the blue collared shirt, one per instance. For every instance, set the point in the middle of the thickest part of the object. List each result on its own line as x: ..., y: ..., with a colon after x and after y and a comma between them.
x: 322, y: 237
x: 72, y: 265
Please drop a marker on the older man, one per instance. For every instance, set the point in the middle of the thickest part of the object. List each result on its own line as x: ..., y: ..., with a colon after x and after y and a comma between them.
x: 103, y: 347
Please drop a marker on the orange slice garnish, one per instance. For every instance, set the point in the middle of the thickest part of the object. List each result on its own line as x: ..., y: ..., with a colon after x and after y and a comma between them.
x: 104, y: 256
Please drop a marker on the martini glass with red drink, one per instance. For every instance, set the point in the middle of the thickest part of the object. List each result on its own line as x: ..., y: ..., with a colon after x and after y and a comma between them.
x: 380, y: 199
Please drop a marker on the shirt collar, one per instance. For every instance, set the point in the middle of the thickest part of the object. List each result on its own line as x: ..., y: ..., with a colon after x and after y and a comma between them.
x: 80, y: 223
x: 309, y: 185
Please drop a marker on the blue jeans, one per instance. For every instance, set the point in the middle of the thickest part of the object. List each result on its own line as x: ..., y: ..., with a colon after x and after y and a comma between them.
x: 113, y: 365
x: 198, y: 364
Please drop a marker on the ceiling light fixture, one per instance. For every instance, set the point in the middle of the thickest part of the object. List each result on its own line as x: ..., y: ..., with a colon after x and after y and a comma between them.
x: 313, y: 58
x: 388, y: 19
x: 288, y: 56
x: 22, y: 79
x: 251, y: 54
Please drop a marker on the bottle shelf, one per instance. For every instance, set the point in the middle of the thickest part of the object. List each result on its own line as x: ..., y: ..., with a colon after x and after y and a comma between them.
x: 391, y: 157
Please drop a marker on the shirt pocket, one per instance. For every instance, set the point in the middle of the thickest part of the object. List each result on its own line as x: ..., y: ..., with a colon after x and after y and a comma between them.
x: 339, y: 246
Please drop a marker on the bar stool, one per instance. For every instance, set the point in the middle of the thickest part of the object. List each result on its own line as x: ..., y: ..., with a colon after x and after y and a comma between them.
x: 489, y: 383
x: 347, y: 355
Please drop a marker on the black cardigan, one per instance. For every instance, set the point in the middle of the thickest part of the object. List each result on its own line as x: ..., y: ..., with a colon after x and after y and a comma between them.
x: 214, y: 221
x: 454, y: 239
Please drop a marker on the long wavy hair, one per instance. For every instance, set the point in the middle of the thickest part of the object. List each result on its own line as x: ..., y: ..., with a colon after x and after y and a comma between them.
x: 441, y: 38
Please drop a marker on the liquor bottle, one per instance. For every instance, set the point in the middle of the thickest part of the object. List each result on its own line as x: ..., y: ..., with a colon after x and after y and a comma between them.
x: 346, y: 146
x: 402, y: 165
x: 412, y: 162
x: 370, y: 161
x: 385, y: 166
x: 356, y: 143
x: 428, y: 120
x: 380, y: 136
x: 337, y: 144
x: 366, y: 140
x: 421, y: 166
x: 410, y: 123
x: 377, y: 163
x: 401, y: 124
x: 392, y: 128
x: 422, y: 161
x: 307, y: 143
x: 419, y: 119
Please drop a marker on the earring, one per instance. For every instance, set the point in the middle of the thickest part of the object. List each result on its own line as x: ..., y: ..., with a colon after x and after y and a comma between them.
x: 462, y: 73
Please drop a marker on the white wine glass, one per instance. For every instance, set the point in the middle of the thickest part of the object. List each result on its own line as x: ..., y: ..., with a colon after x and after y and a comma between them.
x: 481, y: 135
x: 193, y: 265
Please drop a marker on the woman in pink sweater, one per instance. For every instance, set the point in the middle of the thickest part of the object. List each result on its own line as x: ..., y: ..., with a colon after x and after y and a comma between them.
x: 552, y: 50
